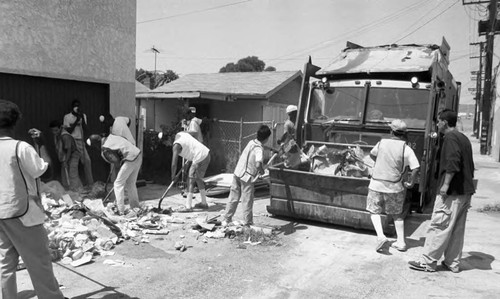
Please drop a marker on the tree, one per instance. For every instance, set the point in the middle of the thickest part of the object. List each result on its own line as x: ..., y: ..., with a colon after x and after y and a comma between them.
x: 248, y: 64
x: 148, y: 78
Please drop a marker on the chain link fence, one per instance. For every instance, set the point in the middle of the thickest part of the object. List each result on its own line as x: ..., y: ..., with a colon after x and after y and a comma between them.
x: 229, y: 138
x: 225, y: 139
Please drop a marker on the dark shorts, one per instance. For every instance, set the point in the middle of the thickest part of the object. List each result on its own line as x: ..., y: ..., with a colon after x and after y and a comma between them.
x: 390, y: 203
x: 197, y: 170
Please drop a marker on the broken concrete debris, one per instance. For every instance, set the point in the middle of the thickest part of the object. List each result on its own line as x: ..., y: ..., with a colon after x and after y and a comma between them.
x: 80, y: 226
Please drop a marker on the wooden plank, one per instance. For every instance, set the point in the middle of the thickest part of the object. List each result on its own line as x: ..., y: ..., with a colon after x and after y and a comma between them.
x: 328, y: 197
x: 327, y: 214
x: 319, y: 182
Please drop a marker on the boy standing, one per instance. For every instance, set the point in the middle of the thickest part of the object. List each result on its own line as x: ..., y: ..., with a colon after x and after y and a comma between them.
x: 249, y: 167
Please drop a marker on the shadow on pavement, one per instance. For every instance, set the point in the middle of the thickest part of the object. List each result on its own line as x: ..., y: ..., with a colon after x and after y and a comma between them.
x: 104, y: 293
x: 476, y: 260
x: 291, y: 227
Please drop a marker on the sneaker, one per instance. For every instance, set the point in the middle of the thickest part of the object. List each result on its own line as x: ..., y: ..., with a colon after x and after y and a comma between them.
x: 184, y: 210
x: 454, y: 269
x: 401, y: 248
x: 381, y: 244
x: 420, y: 266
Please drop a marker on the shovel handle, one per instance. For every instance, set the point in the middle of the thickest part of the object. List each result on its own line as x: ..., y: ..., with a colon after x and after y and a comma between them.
x: 171, y: 184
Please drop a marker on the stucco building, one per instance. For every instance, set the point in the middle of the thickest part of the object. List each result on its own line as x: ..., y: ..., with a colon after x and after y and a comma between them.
x: 56, y: 51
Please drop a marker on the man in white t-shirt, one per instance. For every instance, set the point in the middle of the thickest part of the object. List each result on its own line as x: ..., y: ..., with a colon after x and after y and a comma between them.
x: 196, y: 153
x: 75, y: 123
x: 386, y: 192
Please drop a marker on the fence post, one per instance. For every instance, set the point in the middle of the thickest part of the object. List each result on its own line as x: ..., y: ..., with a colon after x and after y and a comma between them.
x: 240, y: 141
x: 273, y: 127
x: 140, y: 137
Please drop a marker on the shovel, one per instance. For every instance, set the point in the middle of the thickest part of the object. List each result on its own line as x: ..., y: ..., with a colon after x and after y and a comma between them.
x: 171, y: 185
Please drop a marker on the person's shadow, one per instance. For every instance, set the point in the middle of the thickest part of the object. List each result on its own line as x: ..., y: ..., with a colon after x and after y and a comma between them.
x: 476, y: 260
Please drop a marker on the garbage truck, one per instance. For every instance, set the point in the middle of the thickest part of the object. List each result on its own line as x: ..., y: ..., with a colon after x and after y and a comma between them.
x: 344, y: 109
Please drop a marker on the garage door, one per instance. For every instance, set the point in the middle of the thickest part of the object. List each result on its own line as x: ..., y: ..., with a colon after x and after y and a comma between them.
x: 42, y: 100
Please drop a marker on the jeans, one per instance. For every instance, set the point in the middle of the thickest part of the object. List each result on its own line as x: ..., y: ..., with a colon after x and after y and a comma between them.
x: 243, y: 191
x: 447, y: 229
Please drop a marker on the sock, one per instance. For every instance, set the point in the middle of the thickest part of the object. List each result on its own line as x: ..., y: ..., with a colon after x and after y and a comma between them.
x: 189, y: 200
x: 203, y: 195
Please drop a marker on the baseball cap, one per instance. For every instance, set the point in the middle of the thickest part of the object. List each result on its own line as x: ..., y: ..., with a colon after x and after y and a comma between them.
x: 291, y: 108
x: 398, y: 125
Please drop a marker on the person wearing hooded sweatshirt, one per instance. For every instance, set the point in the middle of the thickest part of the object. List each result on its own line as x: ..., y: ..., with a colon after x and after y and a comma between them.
x: 118, y: 126
x: 117, y: 150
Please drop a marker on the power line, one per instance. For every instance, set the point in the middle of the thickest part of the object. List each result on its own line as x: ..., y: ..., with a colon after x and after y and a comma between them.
x: 192, y: 12
x: 366, y: 27
x: 432, y: 19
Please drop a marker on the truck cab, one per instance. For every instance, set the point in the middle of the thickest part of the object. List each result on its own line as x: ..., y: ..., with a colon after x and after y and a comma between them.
x: 349, y: 104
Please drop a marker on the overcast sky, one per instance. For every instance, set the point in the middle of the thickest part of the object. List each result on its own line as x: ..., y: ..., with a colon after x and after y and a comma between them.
x: 201, y: 36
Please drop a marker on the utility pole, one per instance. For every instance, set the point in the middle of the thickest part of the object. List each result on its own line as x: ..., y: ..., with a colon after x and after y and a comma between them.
x: 477, y: 105
x: 489, y: 28
x: 486, y: 105
x: 153, y: 81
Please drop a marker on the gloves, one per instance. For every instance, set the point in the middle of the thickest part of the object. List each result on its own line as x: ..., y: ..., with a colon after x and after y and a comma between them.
x: 37, y: 136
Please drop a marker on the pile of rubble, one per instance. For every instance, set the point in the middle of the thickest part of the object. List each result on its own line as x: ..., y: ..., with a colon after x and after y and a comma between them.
x: 80, y: 226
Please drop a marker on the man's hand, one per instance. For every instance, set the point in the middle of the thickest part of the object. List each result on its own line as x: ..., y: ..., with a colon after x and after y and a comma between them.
x: 408, y: 185
x: 36, y: 135
x: 444, y: 189
x: 64, y: 164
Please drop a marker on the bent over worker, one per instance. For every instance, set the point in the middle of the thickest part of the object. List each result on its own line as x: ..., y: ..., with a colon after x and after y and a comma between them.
x: 196, y: 153
x: 118, y: 150
x: 22, y: 234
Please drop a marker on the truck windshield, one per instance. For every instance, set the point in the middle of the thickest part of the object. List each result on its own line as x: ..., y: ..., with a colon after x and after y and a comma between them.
x: 345, y: 105
x: 339, y: 104
x: 386, y: 104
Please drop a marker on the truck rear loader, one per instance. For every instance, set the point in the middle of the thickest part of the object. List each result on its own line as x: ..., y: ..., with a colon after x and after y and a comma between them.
x: 344, y: 109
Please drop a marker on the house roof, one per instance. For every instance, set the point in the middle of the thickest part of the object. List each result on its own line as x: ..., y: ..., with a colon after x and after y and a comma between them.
x: 140, y: 88
x: 248, y: 84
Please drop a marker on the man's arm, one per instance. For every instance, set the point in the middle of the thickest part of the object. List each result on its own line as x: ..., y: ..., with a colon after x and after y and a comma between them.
x: 411, y: 181
x: 176, y: 150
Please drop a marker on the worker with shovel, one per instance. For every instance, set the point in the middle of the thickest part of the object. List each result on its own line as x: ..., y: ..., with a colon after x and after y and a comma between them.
x: 196, y: 153
x: 248, y: 169
x: 117, y: 150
